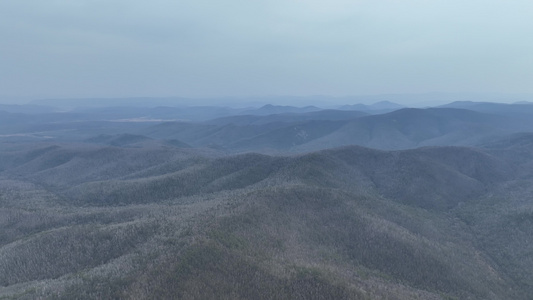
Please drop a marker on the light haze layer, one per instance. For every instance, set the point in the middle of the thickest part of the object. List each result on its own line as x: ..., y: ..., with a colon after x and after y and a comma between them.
x: 207, y: 48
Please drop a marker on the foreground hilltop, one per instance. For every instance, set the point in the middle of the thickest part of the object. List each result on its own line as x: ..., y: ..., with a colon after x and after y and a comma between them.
x: 157, y: 221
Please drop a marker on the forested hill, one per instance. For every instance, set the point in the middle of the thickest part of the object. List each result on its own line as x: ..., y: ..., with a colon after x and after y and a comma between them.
x: 155, y: 221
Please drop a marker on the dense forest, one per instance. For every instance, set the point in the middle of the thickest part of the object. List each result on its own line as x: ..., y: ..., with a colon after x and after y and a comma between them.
x: 274, y: 202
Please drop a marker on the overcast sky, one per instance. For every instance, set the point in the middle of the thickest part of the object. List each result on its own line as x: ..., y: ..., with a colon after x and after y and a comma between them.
x: 209, y: 48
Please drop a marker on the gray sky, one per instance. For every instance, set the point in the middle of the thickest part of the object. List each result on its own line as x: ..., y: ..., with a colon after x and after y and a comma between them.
x: 208, y: 48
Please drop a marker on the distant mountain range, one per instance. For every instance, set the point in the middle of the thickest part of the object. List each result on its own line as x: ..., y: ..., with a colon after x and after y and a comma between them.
x: 401, y: 129
x: 281, y: 129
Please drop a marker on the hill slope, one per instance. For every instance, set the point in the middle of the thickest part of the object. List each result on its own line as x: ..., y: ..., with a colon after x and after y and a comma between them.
x: 347, y: 223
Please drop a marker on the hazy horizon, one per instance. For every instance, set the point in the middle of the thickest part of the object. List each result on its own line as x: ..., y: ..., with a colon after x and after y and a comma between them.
x: 323, y: 101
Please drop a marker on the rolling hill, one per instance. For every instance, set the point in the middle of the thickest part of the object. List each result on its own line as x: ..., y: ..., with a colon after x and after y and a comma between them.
x: 345, y: 223
x: 401, y: 129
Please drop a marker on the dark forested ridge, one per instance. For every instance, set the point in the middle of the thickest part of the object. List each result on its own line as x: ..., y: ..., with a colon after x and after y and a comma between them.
x: 205, y: 210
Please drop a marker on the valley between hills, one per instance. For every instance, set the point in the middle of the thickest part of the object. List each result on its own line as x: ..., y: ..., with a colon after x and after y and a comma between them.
x: 274, y: 202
